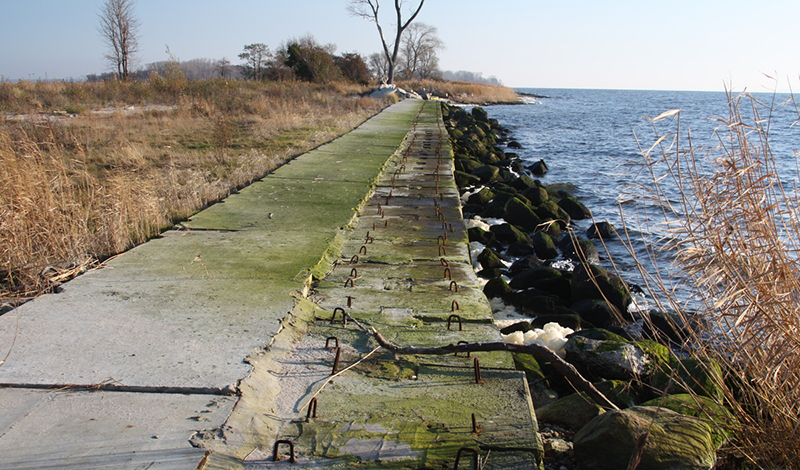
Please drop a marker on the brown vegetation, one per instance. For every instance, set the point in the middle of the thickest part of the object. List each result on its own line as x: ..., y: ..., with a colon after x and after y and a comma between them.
x: 736, y: 235
x: 91, y: 169
x: 466, y: 92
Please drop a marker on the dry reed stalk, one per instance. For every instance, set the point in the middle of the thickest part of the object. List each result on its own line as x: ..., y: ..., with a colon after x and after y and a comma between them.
x: 735, y: 235
x: 91, y: 186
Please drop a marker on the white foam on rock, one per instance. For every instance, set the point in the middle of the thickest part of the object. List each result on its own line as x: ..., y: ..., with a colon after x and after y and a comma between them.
x: 553, y: 336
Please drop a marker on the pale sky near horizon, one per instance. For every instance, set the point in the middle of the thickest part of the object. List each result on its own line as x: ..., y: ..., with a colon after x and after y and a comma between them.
x: 618, y: 44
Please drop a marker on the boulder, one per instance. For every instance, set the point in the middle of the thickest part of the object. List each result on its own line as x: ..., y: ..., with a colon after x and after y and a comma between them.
x: 522, y: 326
x: 602, y: 230
x: 674, y: 441
x: 508, y: 234
x: 530, y: 277
x: 593, y: 282
x: 490, y: 260
x: 524, y: 264
x: 520, y: 214
x: 700, y: 407
x: 537, y: 195
x: 486, y: 173
x: 522, y: 183
x: 576, y: 410
x: 597, y: 312
x: 700, y: 376
x: 514, y: 145
x: 534, y: 303
x: 580, y: 249
x: 544, y: 246
x: 539, y: 168
x: 481, y: 197
x: 496, y: 287
x: 519, y: 250
x: 607, y: 359
x: 567, y: 320
x: 480, y: 114
x: 549, y: 210
x: 464, y: 180
x: 477, y: 234
x: 468, y: 165
x: 575, y: 208
x: 541, y: 394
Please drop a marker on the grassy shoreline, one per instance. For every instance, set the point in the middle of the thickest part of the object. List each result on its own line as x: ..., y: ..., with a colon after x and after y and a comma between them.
x: 93, y: 169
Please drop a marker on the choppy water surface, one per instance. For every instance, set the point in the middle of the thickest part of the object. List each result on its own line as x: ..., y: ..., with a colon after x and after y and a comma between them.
x: 588, y: 137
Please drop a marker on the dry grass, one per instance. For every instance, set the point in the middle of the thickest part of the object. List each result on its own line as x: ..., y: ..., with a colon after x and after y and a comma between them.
x: 735, y: 235
x: 139, y: 157
x: 465, y: 92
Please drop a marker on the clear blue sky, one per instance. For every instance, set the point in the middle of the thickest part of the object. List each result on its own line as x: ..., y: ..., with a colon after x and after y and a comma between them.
x: 626, y: 44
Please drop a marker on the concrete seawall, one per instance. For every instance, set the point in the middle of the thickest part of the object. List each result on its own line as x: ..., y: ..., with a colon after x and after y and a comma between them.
x: 200, y: 349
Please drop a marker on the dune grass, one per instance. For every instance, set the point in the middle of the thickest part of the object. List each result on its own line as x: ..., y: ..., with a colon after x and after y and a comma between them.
x: 92, y: 169
x: 735, y: 236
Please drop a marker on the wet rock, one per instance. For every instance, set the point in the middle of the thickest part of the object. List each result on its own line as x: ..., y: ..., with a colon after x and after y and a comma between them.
x: 575, y: 208
x: 482, y: 197
x: 664, y: 328
x: 486, y: 173
x: 703, y: 377
x: 700, y: 407
x: 520, y: 214
x: 519, y: 250
x: 477, y: 234
x: 464, y: 180
x: 549, y: 210
x: 523, y: 264
x: 576, y: 410
x: 490, y: 260
x: 594, y: 282
x: 572, y: 321
x: 674, y: 440
x: 597, y: 312
x: 609, y: 358
x: 496, y: 287
x: 508, y: 234
x: 480, y: 114
x: 514, y: 145
x: 522, y: 183
x: 602, y: 230
x: 580, y: 249
x: 544, y: 246
x: 539, y: 168
x: 530, y: 277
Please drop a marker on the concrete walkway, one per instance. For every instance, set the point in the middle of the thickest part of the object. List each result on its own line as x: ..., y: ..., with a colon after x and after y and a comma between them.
x: 202, y: 348
x: 124, y: 366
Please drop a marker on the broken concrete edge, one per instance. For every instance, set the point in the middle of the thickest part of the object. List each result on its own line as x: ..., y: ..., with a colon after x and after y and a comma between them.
x: 227, y: 449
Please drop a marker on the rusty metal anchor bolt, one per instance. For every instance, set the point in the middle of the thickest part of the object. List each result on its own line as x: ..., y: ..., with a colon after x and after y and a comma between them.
x: 354, y: 259
x: 349, y: 301
x: 328, y: 341
x: 469, y: 451
x: 454, y: 317
x: 453, y: 286
x: 354, y: 273
x: 442, y: 251
x: 276, y: 457
x: 312, y: 411
x: 349, y: 281
x: 336, y: 361
x: 447, y: 274
x: 362, y: 250
x: 477, y: 364
x: 441, y: 240
x: 474, y: 421
x: 444, y: 262
x: 344, y: 316
x: 454, y: 306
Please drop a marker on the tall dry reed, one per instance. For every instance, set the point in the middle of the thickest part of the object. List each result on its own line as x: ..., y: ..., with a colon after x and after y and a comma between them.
x: 735, y: 235
x: 137, y: 158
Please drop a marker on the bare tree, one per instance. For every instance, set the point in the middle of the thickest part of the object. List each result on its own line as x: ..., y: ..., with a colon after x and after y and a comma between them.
x: 369, y: 10
x: 119, y: 28
x: 379, y: 66
x: 256, y: 60
x: 419, y: 46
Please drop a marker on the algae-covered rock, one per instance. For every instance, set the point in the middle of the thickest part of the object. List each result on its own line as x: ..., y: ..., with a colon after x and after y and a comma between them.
x: 477, y: 234
x: 490, y: 260
x: 613, y: 358
x: 576, y: 410
x: 580, y: 249
x: 530, y: 277
x: 544, y: 246
x: 602, y: 230
x: 594, y: 282
x: 486, y: 173
x: 549, y: 210
x: 508, y: 234
x: 520, y: 214
x: 539, y: 168
x: 496, y: 287
x: 701, y: 407
x: 537, y: 195
x: 701, y: 376
x: 522, y: 183
x: 566, y: 320
x: 674, y: 441
x: 480, y: 114
x: 597, y: 312
x: 464, y: 180
x: 576, y: 209
x: 481, y: 197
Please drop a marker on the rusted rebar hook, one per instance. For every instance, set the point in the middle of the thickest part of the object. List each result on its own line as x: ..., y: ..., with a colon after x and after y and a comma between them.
x: 344, y: 316
x: 469, y: 451
x: 276, y: 457
x: 454, y: 317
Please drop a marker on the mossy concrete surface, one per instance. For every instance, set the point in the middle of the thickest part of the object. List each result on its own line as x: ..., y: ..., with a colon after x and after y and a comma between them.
x: 191, y: 311
x: 404, y: 270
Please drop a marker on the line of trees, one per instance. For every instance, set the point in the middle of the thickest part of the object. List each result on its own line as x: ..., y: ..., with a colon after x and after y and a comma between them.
x: 412, y: 54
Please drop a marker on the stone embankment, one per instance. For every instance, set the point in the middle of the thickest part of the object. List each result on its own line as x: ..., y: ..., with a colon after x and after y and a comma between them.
x: 204, y: 348
x: 545, y: 274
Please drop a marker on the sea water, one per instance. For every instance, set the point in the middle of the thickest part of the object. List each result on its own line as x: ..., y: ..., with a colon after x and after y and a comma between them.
x: 591, y: 141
